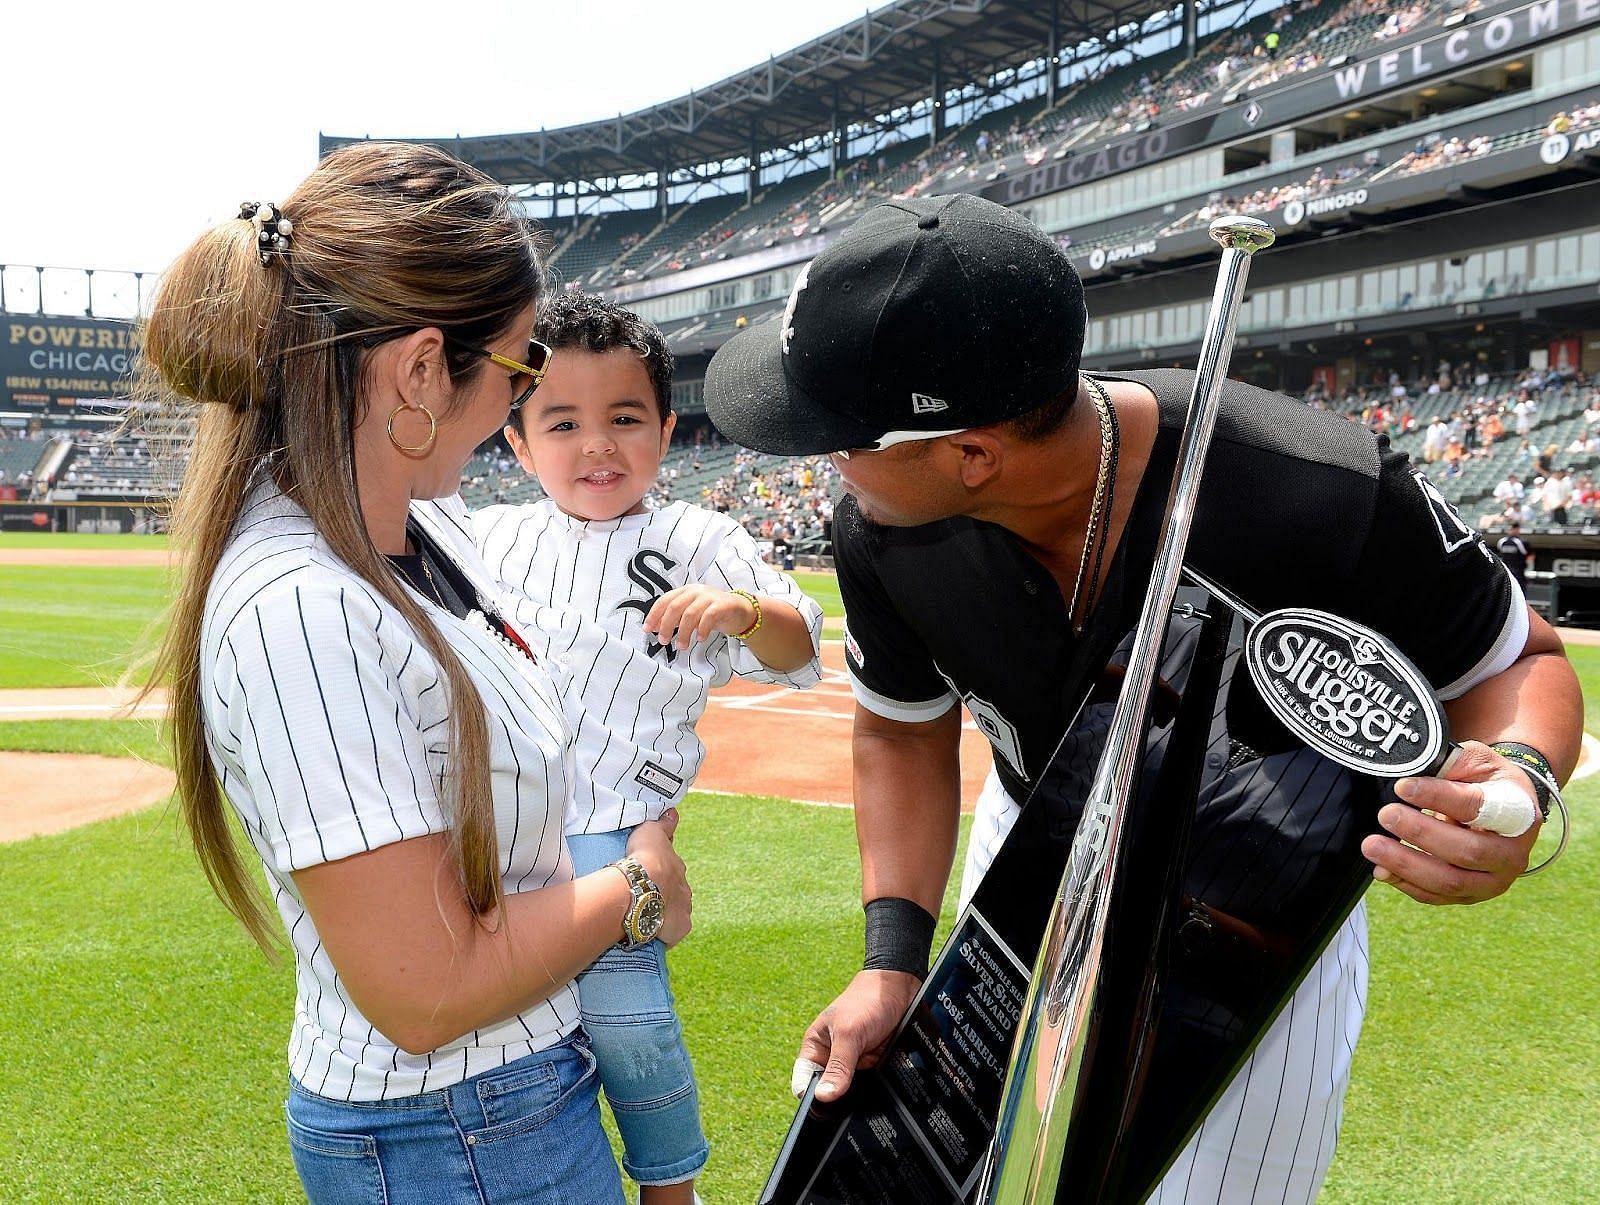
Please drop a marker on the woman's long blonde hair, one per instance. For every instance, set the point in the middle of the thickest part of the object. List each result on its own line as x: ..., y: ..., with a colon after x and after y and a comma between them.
x: 387, y: 238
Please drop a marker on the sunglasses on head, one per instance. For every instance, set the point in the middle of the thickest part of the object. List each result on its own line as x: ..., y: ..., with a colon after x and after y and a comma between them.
x: 889, y: 438
x: 525, y: 378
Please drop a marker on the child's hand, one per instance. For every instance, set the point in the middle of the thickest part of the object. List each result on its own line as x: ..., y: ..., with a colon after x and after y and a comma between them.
x: 698, y: 612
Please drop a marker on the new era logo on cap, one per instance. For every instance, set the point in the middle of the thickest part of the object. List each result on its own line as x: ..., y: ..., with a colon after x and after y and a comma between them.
x: 921, y: 403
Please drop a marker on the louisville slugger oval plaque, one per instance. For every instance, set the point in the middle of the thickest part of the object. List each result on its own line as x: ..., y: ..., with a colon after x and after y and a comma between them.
x: 1347, y: 692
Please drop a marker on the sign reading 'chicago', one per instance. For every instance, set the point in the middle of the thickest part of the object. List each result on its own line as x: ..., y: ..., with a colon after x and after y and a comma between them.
x: 1121, y: 156
x: 48, y: 361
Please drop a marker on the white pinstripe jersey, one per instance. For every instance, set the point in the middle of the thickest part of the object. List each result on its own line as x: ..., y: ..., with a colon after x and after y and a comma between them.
x: 582, y: 591
x: 328, y: 724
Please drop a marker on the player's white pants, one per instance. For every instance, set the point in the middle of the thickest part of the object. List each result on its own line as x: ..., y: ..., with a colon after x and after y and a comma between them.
x: 1271, y: 1135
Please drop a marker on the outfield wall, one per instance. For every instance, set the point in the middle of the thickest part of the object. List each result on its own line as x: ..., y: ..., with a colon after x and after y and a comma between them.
x: 103, y: 518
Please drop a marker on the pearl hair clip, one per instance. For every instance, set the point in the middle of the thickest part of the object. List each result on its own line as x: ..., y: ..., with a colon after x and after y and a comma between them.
x: 273, y: 230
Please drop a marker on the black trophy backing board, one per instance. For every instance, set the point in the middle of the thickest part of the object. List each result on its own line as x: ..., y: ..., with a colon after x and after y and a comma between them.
x: 1220, y: 912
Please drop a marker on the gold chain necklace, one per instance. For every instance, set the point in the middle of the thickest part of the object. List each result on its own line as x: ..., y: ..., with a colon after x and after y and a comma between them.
x: 1098, y: 529
x: 422, y: 558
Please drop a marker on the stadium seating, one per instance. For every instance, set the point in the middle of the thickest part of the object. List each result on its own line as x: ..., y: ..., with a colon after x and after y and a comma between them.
x: 1113, y: 102
x: 660, y: 249
x: 599, y: 242
x: 17, y: 458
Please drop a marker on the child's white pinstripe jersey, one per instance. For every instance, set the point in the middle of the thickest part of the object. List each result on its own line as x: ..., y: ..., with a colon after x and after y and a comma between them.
x: 580, y: 593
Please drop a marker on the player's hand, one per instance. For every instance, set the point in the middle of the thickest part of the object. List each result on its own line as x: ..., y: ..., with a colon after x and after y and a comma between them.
x: 698, y: 612
x: 651, y: 843
x: 1441, y: 860
x: 851, y: 1032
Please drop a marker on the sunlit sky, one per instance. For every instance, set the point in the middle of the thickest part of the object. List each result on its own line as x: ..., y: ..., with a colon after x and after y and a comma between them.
x: 126, y: 129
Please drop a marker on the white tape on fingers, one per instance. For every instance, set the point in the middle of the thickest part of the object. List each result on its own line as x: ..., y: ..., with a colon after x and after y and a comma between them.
x: 1506, y: 809
x: 804, y: 1069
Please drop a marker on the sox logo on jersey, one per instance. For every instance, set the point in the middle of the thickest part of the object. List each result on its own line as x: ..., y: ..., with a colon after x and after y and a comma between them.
x: 655, y: 585
x: 575, y: 583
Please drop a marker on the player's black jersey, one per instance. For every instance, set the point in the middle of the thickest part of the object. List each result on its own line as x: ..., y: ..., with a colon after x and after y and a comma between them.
x: 1297, y: 508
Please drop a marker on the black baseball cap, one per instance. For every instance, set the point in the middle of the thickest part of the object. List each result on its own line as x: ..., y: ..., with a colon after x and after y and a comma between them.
x: 931, y: 314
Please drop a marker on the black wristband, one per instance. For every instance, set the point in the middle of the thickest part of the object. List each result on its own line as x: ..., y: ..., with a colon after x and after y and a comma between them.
x: 899, y: 936
x: 1535, y: 765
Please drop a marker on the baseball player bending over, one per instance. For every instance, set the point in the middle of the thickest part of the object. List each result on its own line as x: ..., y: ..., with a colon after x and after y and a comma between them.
x: 1002, y: 502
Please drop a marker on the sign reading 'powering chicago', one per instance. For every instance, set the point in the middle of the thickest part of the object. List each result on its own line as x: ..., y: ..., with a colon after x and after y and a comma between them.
x: 48, y: 362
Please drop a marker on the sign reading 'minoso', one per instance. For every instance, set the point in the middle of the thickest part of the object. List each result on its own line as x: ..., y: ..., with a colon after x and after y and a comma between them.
x: 1296, y: 212
x: 48, y: 361
x: 1347, y: 692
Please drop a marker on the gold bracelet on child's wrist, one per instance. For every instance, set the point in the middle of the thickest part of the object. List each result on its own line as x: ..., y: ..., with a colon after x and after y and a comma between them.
x: 756, y: 625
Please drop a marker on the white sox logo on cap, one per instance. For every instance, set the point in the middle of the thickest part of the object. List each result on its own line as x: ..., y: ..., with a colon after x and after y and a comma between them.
x: 788, y: 310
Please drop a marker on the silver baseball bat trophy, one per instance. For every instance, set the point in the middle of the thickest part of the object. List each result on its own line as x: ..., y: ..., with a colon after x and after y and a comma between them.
x: 1036, y: 1109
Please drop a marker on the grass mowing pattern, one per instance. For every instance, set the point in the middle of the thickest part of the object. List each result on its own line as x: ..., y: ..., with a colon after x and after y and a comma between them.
x: 74, y: 626
x: 167, y: 1030
x: 145, y: 1036
x: 1476, y: 1078
x: 160, y: 1013
x: 85, y: 542
x: 104, y: 738
x: 824, y: 587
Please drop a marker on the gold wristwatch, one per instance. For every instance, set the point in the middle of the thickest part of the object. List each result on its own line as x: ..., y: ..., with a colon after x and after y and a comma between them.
x: 644, y: 917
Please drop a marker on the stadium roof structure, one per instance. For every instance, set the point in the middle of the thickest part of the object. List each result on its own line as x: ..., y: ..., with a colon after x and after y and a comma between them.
x: 887, y: 59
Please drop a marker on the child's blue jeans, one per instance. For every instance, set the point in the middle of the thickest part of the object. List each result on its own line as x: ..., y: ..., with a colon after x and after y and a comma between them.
x: 629, y: 1015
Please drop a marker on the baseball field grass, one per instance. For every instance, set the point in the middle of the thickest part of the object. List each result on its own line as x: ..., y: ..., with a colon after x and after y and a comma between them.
x: 81, y: 542
x: 145, y: 1036
x: 74, y: 625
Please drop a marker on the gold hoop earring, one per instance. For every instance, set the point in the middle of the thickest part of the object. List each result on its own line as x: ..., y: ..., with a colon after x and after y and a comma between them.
x: 420, y: 449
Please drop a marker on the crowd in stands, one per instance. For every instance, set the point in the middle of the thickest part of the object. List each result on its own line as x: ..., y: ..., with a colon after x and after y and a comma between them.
x: 1480, y: 437
x: 1432, y: 152
x: 1519, y: 449
x: 1111, y: 101
x: 1580, y: 118
x: 125, y: 467
x: 18, y: 454
x: 959, y: 165
x: 776, y: 499
x: 1320, y: 182
x: 1435, y: 151
x: 1522, y: 447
